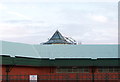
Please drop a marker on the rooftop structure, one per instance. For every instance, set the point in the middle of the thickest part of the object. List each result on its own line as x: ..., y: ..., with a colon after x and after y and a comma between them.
x: 57, y: 38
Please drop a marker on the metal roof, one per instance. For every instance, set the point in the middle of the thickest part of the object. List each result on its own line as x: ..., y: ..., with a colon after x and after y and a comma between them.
x: 58, y: 51
x: 7, y: 60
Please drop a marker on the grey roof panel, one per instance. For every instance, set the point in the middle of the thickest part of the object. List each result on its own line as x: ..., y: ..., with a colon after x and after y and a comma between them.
x: 59, y: 51
x: 78, y: 51
x: 18, y: 49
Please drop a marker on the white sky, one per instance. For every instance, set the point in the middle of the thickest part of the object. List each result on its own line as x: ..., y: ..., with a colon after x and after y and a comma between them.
x: 59, y: 1
x: 34, y: 21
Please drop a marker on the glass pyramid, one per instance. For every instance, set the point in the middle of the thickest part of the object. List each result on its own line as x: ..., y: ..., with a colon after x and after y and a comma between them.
x: 57, y: 38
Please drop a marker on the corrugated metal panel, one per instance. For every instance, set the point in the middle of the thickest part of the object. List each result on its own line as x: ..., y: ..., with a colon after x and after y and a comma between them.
x: 107, y: 62
x: 58, y: 62
x: 7, y: 60
x: 32, y: 62
x: 73, y: 62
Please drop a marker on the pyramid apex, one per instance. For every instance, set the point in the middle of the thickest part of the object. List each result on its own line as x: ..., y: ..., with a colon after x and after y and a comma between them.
x: 57, y: 30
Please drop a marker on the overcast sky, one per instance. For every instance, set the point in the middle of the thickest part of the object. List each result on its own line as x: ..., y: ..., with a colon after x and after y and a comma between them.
x: 34, y: 21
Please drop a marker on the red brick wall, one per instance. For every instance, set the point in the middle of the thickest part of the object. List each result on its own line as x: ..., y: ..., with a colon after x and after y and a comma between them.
x: 50, y: 73
x: 27, y: 70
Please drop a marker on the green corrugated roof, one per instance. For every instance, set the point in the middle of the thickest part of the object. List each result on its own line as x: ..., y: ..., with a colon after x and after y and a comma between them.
x: 58, y: 51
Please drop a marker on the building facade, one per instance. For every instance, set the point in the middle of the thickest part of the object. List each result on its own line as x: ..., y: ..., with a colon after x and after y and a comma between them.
x: 61, y: 69
x: 64, y: 62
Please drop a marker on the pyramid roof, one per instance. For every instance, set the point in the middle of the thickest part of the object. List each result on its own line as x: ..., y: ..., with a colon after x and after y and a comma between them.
x: 57, y: 38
